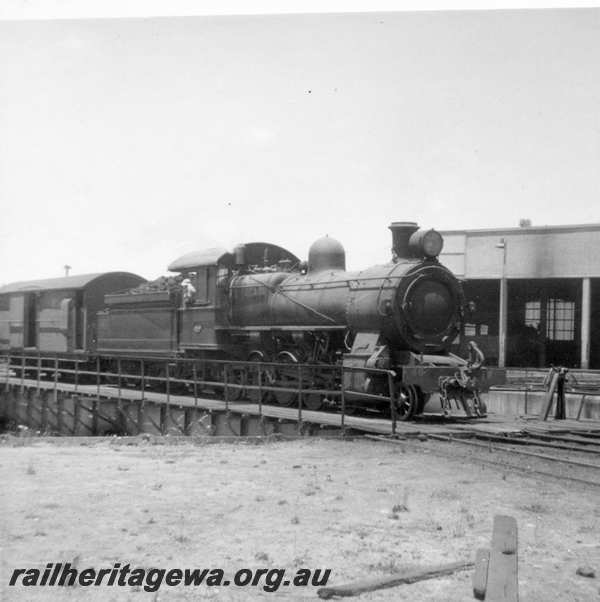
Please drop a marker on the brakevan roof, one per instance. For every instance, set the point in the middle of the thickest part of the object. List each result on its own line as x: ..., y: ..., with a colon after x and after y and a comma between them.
x: 49, y: 284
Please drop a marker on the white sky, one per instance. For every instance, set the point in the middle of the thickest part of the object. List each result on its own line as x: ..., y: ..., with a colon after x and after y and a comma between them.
x: 126, y: 143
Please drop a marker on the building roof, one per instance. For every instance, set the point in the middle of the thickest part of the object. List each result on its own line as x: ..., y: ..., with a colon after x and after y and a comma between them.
x: 66, y: 283
x: 547, y: 229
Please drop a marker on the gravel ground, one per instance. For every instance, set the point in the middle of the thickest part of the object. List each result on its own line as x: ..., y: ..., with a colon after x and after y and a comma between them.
x: 361, y: 508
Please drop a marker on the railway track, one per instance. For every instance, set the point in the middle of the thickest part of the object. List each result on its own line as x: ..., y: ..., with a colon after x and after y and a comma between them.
x: 549, y: 452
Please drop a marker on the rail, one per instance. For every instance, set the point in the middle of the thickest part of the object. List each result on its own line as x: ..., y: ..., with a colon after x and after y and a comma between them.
x: 236, y: 380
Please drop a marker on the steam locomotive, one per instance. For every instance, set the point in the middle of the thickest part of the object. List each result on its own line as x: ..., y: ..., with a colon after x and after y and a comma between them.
x: 260, y: 303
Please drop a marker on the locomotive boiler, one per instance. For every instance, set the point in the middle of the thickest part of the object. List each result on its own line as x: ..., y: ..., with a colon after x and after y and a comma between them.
x: 412, y: 303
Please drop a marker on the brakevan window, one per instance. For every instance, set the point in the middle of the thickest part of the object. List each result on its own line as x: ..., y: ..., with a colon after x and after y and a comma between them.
x: 560, y: 320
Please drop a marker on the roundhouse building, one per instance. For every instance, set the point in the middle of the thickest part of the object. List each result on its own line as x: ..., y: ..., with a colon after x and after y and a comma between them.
x: 533, y: 293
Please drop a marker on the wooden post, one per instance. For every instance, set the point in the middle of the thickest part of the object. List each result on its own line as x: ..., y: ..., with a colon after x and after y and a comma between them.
x: 549, y: 396
x: 560, y: 395
x: 502, y: 580
x: 76, y: 375
x: 480, y: 575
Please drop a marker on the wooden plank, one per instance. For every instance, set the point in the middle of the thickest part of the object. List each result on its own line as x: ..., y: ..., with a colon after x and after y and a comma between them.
x: 480, y: 575
x: 502, y: 583
x: 407, y: 576
x: 549, y: 397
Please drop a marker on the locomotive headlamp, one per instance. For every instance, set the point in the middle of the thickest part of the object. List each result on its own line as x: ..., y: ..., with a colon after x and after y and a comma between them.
x: 426, y: 243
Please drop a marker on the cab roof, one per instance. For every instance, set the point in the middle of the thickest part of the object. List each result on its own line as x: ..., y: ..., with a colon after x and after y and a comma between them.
x: 254, y: 251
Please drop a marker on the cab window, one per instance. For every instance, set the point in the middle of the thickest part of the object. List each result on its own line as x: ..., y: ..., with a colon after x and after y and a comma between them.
x: 204, y: 283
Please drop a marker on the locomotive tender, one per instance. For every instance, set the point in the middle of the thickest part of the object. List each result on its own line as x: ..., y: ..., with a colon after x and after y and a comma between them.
x: 260, y: 303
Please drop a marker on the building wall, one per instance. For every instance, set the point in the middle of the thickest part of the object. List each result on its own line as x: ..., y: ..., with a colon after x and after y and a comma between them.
x: 530, y: 253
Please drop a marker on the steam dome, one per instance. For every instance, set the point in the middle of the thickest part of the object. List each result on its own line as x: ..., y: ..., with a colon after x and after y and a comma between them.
x: 326, y: 254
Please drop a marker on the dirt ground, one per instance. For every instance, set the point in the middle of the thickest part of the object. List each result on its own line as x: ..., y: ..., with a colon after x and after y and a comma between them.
x: 362, y: 508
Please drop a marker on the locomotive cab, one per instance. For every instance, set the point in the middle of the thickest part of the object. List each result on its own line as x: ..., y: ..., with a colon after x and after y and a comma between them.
x: 203, y: 298
x: 204, y: 322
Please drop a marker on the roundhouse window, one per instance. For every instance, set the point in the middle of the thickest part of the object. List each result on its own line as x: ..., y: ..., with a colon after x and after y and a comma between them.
x: 560, y: 324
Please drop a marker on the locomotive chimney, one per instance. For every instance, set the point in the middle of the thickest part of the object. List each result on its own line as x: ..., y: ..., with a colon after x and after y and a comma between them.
x: 401, y: 233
